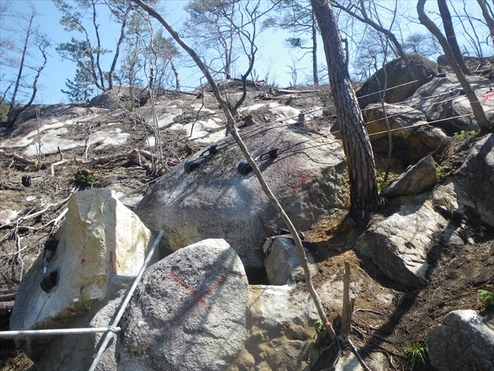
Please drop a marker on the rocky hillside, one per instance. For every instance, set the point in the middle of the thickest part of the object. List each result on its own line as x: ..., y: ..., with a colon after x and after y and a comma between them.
x: 86, y: 190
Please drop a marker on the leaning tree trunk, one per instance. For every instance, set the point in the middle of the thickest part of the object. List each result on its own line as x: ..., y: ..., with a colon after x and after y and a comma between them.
x: 451, y: 36
x: 477, y: 109
x: 356, y: 143
x: 488, y: 18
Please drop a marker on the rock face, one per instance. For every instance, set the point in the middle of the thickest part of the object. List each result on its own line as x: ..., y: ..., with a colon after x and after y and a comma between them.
x: 188, y: 312
x: 99, y: 244
x: 465, y: 333
x: 398, y: 244
x: 476, y: 177
x: 397, y: 75
x: 214, y: 200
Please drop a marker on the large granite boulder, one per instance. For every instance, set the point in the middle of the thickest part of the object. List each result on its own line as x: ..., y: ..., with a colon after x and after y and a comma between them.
x: 476, y: 177
x: 412, y: 137
x: 188, y: 312
x: 211, y: 196
x: 99, y: 247
x: 465, y: 333
x: 398, y: 243
x: 400, y: 82
x: 445, y: 105
x: 108, y: 99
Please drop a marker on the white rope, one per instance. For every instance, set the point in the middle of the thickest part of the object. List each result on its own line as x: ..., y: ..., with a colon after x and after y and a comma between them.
x: 60, y: 331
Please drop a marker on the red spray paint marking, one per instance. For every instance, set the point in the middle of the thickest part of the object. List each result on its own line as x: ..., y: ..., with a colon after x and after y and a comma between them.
x: 198, y: 297
x: 302, y: 183
x: 83, y: 260
x: 112, y: 263
x: 263, y: 226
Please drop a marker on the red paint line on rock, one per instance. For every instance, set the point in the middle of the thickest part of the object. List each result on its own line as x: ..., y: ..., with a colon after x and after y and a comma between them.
x: 198, y: 297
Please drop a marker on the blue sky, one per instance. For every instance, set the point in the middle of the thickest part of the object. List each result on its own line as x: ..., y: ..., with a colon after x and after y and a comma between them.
x: 272, y: 58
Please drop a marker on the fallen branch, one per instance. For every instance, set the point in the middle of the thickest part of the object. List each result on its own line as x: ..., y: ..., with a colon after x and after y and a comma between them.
x: 22, y: 159
x: 290, y: 91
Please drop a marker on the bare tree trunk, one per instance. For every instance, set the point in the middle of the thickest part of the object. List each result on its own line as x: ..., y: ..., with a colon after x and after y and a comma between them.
x: 17, y: 112
x: 175, y: 73
x: 477, y: 109
x: 365, y: 19
x: 451, y: 36
x: 358, y: 150
x: 314, y: 50
x: 13, y: 110
x: 117, y: 48
x: 98, y: 40
x: 488, y: 17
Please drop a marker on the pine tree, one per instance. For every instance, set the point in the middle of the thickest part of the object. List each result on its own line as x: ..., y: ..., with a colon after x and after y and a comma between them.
x: 81, y: 87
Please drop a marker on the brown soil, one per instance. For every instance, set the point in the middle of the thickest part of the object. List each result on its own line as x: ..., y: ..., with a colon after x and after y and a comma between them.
x: 455, y: 276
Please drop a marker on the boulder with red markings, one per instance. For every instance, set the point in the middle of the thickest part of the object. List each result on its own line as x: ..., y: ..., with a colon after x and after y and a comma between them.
x: 100, y: 246
x: 215, y: 195
x: 188, y: 313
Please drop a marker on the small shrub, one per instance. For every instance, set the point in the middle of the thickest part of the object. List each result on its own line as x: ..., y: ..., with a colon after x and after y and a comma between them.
x: 83, y: 179
x: 487, y: 297
x: 416, y: 353
x: 462, y: 134
x: 4, y: 108
x: 383, y: 180
x: 442, y: 171
x: 321, y: 330
x: 129, y: 106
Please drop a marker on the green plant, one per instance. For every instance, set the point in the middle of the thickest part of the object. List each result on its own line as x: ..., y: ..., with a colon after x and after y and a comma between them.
x: 442, y: 171
x: 83, y: 178
x: 129, y: 106
x: 4, y: 108
x: 462, y: 134
x: 383, y: 180
x: 416, y: 353
x: 487, y: 297
x: 321, y: 330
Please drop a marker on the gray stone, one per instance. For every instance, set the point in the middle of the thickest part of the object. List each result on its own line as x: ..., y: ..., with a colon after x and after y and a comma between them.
x: 188, y: 312
x: 309, y: 177
x: 108, y: 99
x: 463, y: 342
x: 348, y: 361
x: 397, y: 74
x: 282, y: 263
x: 403, y: 120
x: 417, y: 179
x: 476, y: 177
x: 398, y: 244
